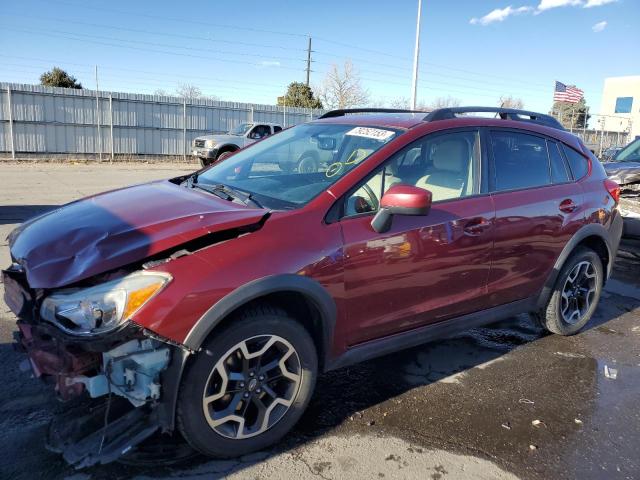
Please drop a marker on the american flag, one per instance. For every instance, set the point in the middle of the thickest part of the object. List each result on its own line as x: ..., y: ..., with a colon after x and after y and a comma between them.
x: 563, y: 93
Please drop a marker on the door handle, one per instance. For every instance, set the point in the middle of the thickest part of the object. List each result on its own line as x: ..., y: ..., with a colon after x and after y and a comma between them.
x: 567, y: 206
x: 476, y: 226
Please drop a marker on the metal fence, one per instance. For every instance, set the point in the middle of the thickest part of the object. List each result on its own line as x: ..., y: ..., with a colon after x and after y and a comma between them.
x: 51, y: 120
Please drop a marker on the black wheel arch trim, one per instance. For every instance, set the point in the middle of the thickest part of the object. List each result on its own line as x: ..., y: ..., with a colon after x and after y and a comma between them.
x: 306, y: 286
x: 611, y: 239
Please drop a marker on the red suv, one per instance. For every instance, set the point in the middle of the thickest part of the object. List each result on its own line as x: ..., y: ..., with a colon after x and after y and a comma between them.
x: 211, y: 302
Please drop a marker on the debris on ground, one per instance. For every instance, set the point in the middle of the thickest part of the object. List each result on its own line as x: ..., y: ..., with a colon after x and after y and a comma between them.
x: 533, y: 447
x: 506, y: 425
x: 611, y: 373
x: 578, y: 421
x: 526, y: 401
x: 537, y: 423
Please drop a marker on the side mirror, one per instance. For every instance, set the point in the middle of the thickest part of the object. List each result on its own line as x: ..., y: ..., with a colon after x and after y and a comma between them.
x: 401, y: 200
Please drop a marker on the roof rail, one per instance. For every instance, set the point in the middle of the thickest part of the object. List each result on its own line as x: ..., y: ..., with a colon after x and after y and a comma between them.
x: 345, y: 111
x: 504, y: 113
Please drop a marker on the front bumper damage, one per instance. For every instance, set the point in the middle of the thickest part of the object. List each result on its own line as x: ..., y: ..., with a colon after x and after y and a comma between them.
x: 126, y: 381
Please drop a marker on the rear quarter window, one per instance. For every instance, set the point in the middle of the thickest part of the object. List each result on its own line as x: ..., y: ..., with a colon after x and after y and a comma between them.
x: 578, y: 163
x: 520, y: 160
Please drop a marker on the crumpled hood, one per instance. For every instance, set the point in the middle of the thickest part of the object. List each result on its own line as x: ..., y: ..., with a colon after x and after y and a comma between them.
x: 112, y: 229
x: 623, y: 172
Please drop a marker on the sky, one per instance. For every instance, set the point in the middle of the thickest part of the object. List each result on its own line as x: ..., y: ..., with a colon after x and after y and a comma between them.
x: 248, y: 51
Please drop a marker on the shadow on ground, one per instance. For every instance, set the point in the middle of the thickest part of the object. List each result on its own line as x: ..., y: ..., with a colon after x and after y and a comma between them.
x: 10, y: 214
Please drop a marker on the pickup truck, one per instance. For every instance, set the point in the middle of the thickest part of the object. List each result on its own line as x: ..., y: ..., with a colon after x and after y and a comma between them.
x: 212, y: 148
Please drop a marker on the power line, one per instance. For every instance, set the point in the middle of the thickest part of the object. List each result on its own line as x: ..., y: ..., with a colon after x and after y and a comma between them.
x: 143, y: 49
x: 161, y: 34
x: 469, y: 72
x: 190, y: 21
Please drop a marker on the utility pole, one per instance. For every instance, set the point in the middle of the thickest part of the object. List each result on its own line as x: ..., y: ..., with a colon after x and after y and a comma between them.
x: 309, y: 61
x: 414, y: 86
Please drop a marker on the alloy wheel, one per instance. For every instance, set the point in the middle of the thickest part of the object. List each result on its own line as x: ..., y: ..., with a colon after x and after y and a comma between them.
x: 252, y: 386
x: 578, y: 292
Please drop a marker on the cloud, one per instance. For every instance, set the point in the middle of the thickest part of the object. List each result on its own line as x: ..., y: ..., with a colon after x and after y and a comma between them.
x: 597, y: 3
x: 600, y: 26
x: 549, y: 4
x: 269, y: 63
x: 499, y: 15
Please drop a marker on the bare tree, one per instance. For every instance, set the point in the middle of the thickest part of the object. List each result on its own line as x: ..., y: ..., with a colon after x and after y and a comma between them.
x: 188, y: 92
x: 342, y: 89
x: 507, y: 101
x: 443, y: 102
x: 400, y: 102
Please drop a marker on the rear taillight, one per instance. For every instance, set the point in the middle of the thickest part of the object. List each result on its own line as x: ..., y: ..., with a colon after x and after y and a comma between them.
x: 613, y: 188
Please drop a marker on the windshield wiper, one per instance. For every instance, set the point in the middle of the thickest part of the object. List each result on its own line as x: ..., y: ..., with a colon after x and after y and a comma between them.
x: 227, y: 193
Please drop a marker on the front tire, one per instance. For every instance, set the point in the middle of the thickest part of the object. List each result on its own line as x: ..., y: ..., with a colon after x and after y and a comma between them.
x: 575, y: 295
x: 249, y: 384
x: 223, y: 155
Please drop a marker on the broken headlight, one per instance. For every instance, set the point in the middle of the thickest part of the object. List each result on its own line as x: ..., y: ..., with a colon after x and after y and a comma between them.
x: 101, y: 308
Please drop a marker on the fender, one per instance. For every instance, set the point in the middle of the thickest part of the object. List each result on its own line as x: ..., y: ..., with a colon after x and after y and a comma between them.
x: 312, y: 290
x: 611, y: 239
x: 226, y: 147
x: 308, y: 287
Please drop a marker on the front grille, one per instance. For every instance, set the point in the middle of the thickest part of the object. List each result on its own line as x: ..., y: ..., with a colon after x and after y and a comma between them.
x: 199, y: 143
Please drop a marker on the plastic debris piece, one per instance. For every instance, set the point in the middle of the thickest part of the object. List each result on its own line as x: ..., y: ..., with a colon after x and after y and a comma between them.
x: 527, y: 401
x: 611, y: 373
x: 506, y: 425
x: 578, y: 421
x: 537, y: 423
x: 533, y: 447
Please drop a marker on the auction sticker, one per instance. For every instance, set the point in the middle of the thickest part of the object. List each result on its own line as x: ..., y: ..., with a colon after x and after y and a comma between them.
x: 374, y: 133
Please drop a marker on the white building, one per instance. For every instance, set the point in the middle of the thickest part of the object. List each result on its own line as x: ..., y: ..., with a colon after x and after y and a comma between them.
x: 620, y: 107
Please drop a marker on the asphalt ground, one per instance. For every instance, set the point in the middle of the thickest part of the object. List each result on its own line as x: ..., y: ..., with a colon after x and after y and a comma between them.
x: 504, y: 401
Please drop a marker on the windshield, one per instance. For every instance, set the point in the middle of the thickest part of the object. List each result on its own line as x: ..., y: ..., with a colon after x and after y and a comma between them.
x: 240, y: 129
x: 289, y: 169
x: 630, y: 153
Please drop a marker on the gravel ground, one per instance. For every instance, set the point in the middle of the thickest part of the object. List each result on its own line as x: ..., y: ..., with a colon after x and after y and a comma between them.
x: 504, y: 401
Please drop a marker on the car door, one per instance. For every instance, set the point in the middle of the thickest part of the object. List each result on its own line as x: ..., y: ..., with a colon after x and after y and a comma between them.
x: 538, y: 209
x: 425, y: 268
x: 257, y: 132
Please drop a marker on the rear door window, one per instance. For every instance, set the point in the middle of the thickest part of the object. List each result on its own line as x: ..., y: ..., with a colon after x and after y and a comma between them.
x: 559, y: 173
x: 520, y: 161
x: 579, y: 164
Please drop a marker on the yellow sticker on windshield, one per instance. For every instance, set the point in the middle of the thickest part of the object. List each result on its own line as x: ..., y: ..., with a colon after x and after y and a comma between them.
x: 334, y: 169
x: 379, y: 134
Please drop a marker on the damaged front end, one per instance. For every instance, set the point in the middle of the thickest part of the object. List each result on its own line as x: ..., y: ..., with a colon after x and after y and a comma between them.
x: 81, y: 341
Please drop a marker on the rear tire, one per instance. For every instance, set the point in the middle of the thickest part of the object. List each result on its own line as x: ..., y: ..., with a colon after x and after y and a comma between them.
x: 210, y: 421
x: 575, y: 294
